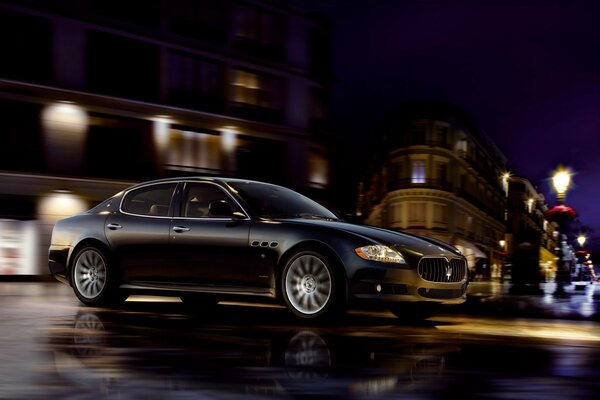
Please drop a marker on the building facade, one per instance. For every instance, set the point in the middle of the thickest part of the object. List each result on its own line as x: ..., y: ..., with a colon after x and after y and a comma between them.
x: 530, y: 239
x: 96, y: 95
x: 437, y: 174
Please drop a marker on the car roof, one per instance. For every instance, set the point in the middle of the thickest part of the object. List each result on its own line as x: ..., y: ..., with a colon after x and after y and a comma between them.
x: 199, y: 179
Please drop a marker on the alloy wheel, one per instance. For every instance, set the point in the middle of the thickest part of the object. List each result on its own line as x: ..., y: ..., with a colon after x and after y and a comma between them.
x: 90, y: 274
x: 308, y: 284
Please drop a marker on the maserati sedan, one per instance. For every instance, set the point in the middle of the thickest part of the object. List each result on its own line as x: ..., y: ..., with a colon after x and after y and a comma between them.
x: 209, y: 239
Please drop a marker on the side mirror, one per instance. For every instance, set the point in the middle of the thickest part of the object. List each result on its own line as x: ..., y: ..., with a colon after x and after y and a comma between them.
x: 220, y: 208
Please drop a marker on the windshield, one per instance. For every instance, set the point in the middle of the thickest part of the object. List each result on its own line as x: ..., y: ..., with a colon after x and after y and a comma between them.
x: 270, y: 201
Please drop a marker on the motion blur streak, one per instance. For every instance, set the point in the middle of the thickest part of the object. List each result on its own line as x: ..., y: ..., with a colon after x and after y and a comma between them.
x: 553, y: 330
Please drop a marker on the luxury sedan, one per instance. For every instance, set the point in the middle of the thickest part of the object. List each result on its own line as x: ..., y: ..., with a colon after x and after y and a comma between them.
x: 209, y: 239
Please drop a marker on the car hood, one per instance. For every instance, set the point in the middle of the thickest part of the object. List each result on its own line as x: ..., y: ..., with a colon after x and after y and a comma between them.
x: 401, y: 241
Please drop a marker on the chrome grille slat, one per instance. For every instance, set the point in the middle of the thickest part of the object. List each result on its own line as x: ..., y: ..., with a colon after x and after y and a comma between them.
x: 434, y: 269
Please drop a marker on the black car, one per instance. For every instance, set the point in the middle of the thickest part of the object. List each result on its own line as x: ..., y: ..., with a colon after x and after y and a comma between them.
x: 207, y: 239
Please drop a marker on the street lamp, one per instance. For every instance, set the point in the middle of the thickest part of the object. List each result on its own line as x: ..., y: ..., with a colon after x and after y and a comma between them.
x: 502, y: 244
x: 561, y: 181
x: 581, y: 239
x: 561, y: 214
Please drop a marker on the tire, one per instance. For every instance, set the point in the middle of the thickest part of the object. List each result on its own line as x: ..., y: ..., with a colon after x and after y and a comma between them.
x: 414, y: 311
x: 310, y: 287
x: 92, y: 278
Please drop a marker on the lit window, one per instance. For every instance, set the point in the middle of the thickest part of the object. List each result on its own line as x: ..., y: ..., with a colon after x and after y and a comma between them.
x: 318, y: 170
x: 418, y: 171
x: 256, y: 89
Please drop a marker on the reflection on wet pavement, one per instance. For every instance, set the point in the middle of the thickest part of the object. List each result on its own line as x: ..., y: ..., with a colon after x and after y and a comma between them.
x: 54, y: 348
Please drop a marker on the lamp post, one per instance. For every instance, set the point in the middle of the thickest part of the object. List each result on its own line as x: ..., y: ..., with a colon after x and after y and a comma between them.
x: 581, y: 259
x: 561, y: 214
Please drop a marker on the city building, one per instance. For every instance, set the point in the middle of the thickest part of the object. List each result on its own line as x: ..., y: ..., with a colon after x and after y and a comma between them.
x: 436, y: 173
x: 530, y: 238
x: 98, y: 94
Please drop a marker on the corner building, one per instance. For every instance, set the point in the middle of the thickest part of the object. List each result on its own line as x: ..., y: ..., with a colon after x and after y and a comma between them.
x: 98, y: 94
x: 437, y: 174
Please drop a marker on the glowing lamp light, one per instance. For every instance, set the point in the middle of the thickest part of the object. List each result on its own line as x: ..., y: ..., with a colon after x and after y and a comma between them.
x: 502, y: 243
x: 561, y: 181
x: 581, y: 239
x: 505, y: 178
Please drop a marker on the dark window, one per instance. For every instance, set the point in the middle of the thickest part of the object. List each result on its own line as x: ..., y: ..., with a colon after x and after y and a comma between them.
x: 122, y: 67
x: 121, y: 148
x: 197, y: 198
x: 199, y: 19
x: 259, y: 32
x: 195, y: 82
x: 319, y: 110
x: 319, y: 46
x: 442, y: 136
x: 139, y: 12
x: 417, y: 134
x: 442, y: 172
x: 261, y: 159
x: 26, y: 44
x: 21, y: 138
x: 151, y: 200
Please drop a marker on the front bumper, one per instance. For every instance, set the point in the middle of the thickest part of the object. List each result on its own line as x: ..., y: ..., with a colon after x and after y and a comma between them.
x: 392, y: 284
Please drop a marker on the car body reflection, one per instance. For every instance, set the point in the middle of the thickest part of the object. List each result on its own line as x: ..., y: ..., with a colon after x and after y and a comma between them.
x: 137, y: 352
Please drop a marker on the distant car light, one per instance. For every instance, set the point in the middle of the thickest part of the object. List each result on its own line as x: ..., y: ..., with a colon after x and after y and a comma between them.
x: 380, y: 253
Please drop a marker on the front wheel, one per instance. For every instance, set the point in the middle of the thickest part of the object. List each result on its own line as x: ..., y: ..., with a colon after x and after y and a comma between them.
x: 91, y: 277
x: 310, y: 287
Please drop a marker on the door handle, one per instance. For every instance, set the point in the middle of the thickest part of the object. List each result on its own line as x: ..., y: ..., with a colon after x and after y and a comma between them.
x: 114, y: 226
x: 181, y: 229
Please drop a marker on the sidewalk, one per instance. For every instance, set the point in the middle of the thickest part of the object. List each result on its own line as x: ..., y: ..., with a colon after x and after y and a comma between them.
x: 494, y: 299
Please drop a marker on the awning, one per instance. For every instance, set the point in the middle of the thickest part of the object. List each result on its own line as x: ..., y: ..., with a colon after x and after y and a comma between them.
x: 546, y: 255
x: 470, y: 247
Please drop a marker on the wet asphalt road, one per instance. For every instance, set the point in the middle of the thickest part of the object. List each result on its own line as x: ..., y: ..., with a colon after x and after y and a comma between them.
x: 53, y: 347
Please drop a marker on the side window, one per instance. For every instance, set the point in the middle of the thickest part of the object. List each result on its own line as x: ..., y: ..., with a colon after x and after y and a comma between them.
x: 151, y: 200
x: 197, y: 198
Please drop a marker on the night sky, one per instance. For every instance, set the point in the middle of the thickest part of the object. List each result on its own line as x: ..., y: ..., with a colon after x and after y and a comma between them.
x: 528, y: 72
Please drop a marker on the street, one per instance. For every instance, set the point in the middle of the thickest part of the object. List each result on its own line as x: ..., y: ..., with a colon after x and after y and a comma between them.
x: 53, y: 347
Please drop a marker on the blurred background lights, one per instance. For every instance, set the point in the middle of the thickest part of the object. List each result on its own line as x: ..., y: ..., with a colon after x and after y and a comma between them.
x: 60, y: 204
x: 228, y: 138
x: 161, y: 126
x: 65, y: 116
x: 65, y: 126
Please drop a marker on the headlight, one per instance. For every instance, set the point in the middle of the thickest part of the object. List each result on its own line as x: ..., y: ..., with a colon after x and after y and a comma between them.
x: 380, y: 253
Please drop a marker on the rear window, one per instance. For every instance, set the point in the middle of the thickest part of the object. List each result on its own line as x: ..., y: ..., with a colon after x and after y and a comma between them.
x: 153, y: 200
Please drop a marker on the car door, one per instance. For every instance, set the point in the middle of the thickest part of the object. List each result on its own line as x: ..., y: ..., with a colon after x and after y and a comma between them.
x: 211, y: 249
x: 139, y: 232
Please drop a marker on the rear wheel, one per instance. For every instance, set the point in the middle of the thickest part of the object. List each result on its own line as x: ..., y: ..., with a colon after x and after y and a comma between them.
x: 92, y: 278
x: 310, y: 287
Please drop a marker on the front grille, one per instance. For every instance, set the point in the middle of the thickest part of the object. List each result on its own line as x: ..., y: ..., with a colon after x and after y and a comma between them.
x: 442, y: 270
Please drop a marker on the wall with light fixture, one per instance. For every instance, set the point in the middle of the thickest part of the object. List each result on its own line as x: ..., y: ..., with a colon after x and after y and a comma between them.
x: 95, y: 97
